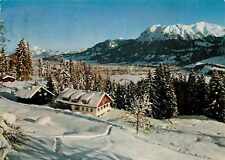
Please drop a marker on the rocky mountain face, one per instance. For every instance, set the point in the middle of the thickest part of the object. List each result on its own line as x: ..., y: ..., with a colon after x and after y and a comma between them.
x: 175, y: 44
x: 199, y: 30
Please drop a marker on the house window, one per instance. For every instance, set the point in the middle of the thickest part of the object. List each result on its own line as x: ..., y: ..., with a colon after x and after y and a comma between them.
x: 83, y: 108
x: 91, y: 110
x: 86, y: 109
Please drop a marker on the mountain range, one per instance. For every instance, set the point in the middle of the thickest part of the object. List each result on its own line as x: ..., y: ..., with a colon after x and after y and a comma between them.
x: 175, y: 44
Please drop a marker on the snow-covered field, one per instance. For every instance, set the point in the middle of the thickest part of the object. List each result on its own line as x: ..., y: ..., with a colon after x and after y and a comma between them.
x: 214, y: 60
x: 218, y: 60
x: 55, y: 135
x: 126, y: 78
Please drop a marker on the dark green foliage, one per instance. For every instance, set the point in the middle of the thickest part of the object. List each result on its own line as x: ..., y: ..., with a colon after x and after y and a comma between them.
x: 180, y: 85
x: 23, y: 61
x: 51, y: 85
x: 3, y: 62
x: 131, y: 91
x: 164, y: 98
x: 202, y: 95
x: 217, y: 97
x: 191, y: 94
x: 120, y: 95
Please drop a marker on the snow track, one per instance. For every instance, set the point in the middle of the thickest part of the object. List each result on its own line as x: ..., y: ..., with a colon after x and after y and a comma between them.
x: 106, y: 133
x: 73, y: 136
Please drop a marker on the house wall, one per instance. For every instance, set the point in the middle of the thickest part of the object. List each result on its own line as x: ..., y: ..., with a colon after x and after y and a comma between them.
x: 92, y: 110
x: 104, y: 100
x: 84, y: 109
x: 103, y: 109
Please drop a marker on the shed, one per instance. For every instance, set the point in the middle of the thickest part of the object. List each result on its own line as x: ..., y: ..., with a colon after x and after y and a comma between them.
x: 35, y: 94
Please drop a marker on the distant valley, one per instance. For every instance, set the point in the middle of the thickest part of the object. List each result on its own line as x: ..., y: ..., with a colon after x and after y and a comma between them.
x: 175, y: 44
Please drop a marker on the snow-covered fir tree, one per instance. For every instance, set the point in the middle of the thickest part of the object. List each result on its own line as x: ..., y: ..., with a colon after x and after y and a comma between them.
x: 164, y: 98
x: 191, y: 103
x: 202, y: 95
x: 145, y: 86
x: 3, y: 38
x: 40, y: 68
x: 180, y: 85
x: 3, y: 62
x: 217, y: 97
x: 52, y: 85
x: 24, y: 61
x: 130, y: 93
x: 120, y: 96
x: 138, y: 108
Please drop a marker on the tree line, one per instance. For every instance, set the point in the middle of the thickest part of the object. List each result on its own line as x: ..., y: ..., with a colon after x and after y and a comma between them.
x: 170, y: 95
x: 163, y: 94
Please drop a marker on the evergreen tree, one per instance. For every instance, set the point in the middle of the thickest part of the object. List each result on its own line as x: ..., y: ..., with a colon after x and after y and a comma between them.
x: 108, y: 87
x: 3, y: 38
x: 180, y: 85
x: 52, y: 85
x: 24, y: 61
x: 130, y: 94
x: 217, y: 97
x: 119, y: 97
x: 40, y: 68
x: 164, y: 99
x: 97, y: 83
x: 145, y: 87
x: 3, y: 62
x: 191, y: 103
x: 202, y: 96
x: 87, y: 77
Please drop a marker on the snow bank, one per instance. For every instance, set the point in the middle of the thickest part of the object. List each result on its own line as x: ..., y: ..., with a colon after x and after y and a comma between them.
x: 9, y: 118
x: 45, y: 120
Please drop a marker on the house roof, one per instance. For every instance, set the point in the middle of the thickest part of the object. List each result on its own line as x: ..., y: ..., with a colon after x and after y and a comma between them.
x: 8, y: 76
x: 29, y: 92
x: 81, y: 97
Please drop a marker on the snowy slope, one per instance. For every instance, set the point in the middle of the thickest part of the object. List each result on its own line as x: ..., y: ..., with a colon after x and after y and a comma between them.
x: 54, y: 135
x: 186, y: 32
x: 214, y: 60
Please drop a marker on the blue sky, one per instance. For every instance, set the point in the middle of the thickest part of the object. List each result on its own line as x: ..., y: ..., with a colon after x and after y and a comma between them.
x: 74, y: 24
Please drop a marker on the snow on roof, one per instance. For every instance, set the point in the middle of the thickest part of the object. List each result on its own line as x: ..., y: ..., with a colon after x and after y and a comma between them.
x: 29, y: 92
x: 81, y: 97
x: 8, y: 76
x: 66, y: 94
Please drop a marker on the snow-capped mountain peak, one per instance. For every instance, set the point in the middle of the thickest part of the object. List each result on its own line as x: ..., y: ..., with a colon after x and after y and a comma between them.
x: 193, y: 31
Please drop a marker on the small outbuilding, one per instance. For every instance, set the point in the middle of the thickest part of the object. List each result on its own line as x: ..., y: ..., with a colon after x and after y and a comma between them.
x: 35, y: 94
x: 7, y: 78
x: 87, y: 102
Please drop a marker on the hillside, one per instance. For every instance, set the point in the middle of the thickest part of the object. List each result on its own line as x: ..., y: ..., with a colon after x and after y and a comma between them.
x: 61, y: 135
